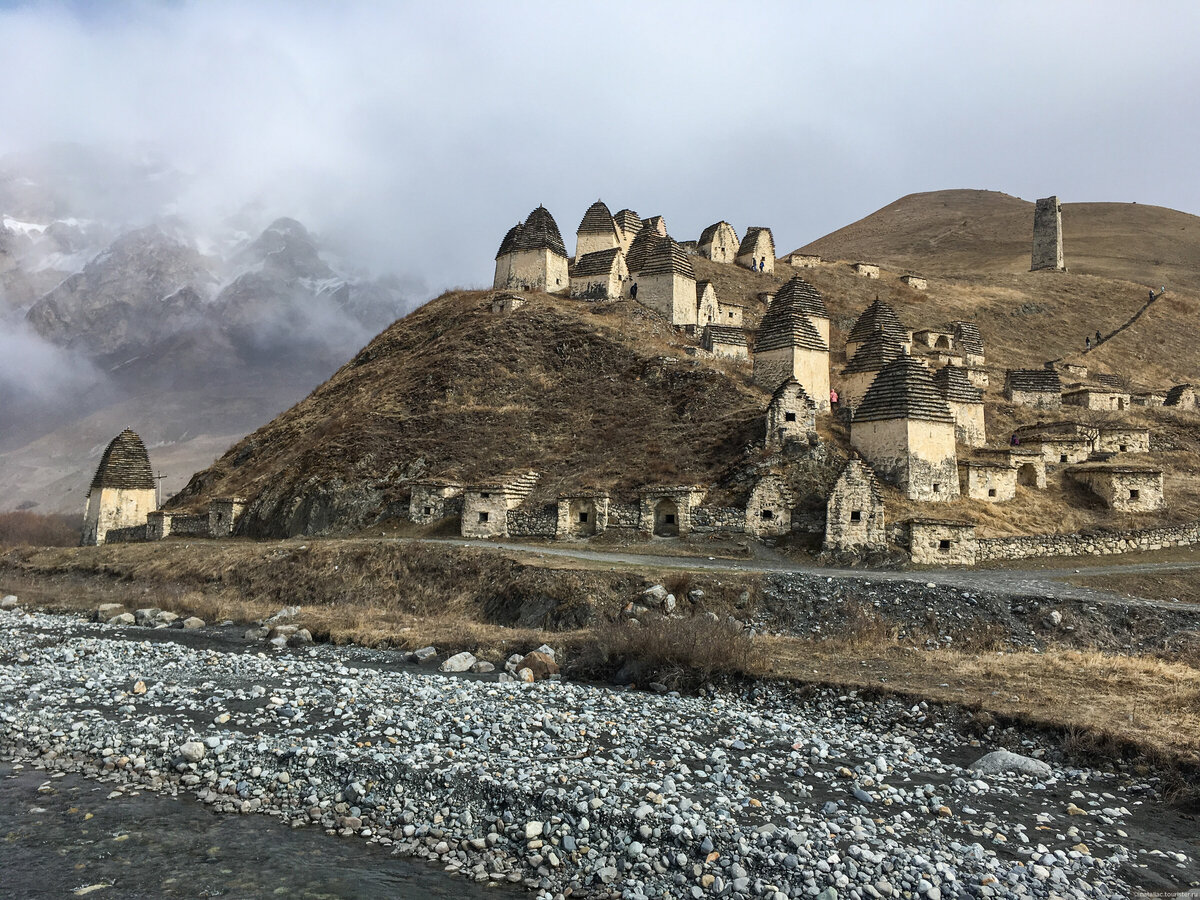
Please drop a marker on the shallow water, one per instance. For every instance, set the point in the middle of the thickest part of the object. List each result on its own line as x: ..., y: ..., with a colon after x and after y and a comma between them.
x: 62, y: 837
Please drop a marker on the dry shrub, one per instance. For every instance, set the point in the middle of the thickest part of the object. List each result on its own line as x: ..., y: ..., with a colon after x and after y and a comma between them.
x: 675, y: 651
x: 29, y: 529
x: 678, y: 583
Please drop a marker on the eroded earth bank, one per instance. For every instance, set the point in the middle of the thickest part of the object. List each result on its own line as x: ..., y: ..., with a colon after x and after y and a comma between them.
x: 571, y: 789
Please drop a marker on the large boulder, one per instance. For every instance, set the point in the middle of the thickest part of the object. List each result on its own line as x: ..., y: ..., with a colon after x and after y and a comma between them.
x: 541, y: 665
x: 459, y: 662
x: 1003, y: 762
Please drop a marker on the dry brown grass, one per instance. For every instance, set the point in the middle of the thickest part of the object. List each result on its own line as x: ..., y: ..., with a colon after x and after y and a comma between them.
x: 24, y: 528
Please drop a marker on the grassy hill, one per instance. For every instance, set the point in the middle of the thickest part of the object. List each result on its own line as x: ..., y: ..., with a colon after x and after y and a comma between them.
x: 978, y: 232
x: 608, y: 395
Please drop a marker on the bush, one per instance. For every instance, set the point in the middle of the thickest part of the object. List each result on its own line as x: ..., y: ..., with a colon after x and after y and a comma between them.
x: 30, y: 529
x: 676, y: 652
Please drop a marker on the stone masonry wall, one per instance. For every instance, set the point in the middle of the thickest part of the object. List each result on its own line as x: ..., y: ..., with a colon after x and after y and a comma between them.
x: 624, y: 515
x: 533, y: 522
x: 1084, y: 544
x: 134, y: 534
x: 189, y: 526
x: 707, y: 519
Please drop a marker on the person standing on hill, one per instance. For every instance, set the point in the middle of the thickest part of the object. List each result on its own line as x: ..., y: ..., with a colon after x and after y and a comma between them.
x: 633, y: 291
x: 1087, y: 342
x: 762, y: 264
x: 1098, y: 338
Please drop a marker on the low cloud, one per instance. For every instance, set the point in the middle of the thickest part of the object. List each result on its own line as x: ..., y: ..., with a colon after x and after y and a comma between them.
x: 417, y: 133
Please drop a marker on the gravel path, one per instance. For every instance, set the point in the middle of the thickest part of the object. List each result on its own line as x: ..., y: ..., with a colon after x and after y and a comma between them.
x: 572, y: 788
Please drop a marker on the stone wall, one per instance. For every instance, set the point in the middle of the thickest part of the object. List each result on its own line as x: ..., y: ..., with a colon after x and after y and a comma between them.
x: 1123, y: 440
x: 809, y: 367
x: 431, y: 502
x: 707, y: 519
x: 624, y: 515
x: 866, y: 270
x: 769, y: 509
x: 969, y: 427
x: 581, y: 516
x: 1038, y: 399
x: 533, y: 522
x: 671, y: 295
x: 109, y: 508
x: 1088, y: 544
x: 942, y: 544
x: 1123, y: 490
x: 189, y: 525
x: 916, y: 456
x: 992, y: 484
x: 134, y: 534
x: 484, y: 513
x: 854, y: 514
x: 532, y: 270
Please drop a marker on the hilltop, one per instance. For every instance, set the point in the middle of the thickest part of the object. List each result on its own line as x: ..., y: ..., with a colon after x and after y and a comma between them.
x: 987, y: 232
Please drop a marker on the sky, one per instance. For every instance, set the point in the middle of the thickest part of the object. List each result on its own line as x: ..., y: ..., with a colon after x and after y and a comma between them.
x: 417, y: 133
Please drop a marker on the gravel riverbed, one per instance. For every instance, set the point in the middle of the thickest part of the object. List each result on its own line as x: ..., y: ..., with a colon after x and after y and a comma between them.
x: 576, y: 790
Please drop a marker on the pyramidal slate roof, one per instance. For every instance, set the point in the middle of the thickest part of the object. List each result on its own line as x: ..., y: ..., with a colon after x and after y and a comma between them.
x: 878, y: 317
x: 646, y: 240
x: 1045, y: 381
x: 597, y: 220
x: 707, y: 235
x: 806, y: 297
x: 538, y: 232
x: 874, y: 353
x: 1175, y: 394
x: 666, y: 257
x: 724, y: 334
x: 751, y: 239
x: 952, y: 381
x: 124, y: 464
x: 791, y: 386
x: 967, y: 336
x: 628, y: 221
x: 658, y: 223
x: 786, y: 324
x: 1113, y: 381
x: 903, y: 389
x: 601, y: 262
x: 509, y: 244
x: 858, y: 472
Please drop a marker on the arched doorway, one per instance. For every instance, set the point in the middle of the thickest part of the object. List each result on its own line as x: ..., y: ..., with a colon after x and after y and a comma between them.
x: 942, y: 343
x: 1027, y: 475
x: 666, y: 518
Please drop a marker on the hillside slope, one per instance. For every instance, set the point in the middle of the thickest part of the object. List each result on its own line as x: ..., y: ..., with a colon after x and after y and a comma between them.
x: 586, y: 394
x: 977, y: 232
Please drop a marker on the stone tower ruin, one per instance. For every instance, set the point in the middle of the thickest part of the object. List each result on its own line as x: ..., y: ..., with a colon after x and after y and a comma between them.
x: 1047, y: 236
x: 122, y: 491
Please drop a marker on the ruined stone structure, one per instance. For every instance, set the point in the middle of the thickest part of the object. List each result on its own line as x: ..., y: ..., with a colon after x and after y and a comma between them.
x: 597, y: 232
x: 916, y: 282
x: 872, y: 356
x: 1092, y: 396
x: 803, y: 260
x: 968, y: 341
x: 769, y: 508
x: 758, y: 246
x: 223, y: 513
x: 721, y: 340
x: 730, y: 314
x: 667, y: 283
x: 905, y: 430
x: 1026, y: 461
x: 657, y: 224
x: 667, y: 511
x: 992, y: 482
x: 1063, y: 449
x: 629, y: 226
x: 502, y: 304
x: 1147, y: 398
x: 434, y: 499
x: 532, y: 256
x: 866, y: 270
x: 600, y: 275
x: 966, y: 405
x: 708, y: 309
x: 788, y: 345
x: 1182, y: 396
x: 942, y: 542
x: 486, y: 504
x: 719, y: 243
x: 791, y: 415
x: 582, y: 514
x: 1090, y: 543
x: 122, y: 491
x: 1118, y: 439
x: 854, y: 512
x: 1123, y: 488
x: 1047, y: 236
x: 1033, y: 387
x: 877, y: 317
x: 1072, y: 371
x: 934, y: 338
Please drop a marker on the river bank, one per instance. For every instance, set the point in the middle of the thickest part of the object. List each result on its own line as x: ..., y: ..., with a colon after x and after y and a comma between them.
x: 763, y: 790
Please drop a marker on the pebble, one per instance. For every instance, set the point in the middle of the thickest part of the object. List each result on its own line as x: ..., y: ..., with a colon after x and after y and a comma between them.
x: 750, y: 792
